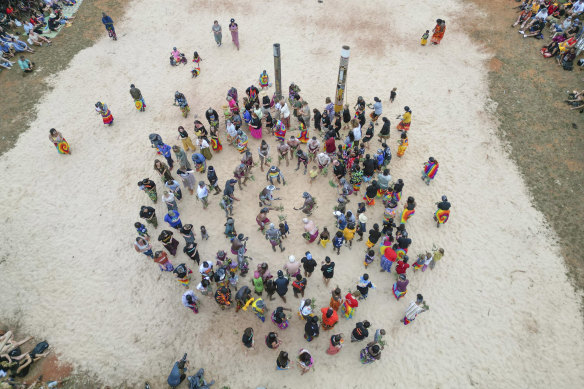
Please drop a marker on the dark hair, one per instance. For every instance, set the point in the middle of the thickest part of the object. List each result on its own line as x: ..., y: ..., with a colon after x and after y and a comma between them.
x: 339, y: 234
x: 298, y: 277
x: 365, y: 276
x: 371, y: 252
x: 248, y: 331
x: 366, y: 324
x: 327, y: 259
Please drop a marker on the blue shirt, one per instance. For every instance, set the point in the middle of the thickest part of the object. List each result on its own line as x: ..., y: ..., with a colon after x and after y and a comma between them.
x: 164, y: 150
x: 174, y: 377
x: 198, y: 158
x: 172, y: 221
x: 107, y: 20
x: 342, y: 222
x: 338, y: 241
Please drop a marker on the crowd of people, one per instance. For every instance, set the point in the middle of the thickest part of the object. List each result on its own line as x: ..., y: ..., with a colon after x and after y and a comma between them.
x: 561, y: 21
x: 25, y: 24
x: 339, y: 140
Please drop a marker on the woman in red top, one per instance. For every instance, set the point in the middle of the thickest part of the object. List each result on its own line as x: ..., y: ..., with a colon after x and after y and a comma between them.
x: 329, y: 318
x: 402, y: 266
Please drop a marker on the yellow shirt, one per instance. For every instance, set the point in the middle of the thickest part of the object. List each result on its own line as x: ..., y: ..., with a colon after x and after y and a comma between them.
x: 407, y: 118
x: 313, y: 173
x: 349, y: 233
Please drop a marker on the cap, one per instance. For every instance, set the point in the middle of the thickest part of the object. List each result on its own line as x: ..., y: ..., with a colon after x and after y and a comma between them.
x: 363, y: 218
x: 291, y: 258
x: 270, y: 187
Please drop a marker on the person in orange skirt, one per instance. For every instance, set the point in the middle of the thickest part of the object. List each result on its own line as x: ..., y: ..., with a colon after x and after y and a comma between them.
x: 336, y: 299
x: 406, y: 120
x: 403, y: 144
x: 438, y: 31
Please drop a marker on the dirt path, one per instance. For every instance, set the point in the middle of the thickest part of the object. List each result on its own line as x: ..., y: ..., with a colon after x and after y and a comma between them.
x: 545, y: 138
x: 20, y: 94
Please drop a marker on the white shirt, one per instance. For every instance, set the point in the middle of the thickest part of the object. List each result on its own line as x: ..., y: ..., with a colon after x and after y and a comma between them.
x: 413, y: 310
x: 168, y: 198
x: 231, y: 130
x: 357, y: 133
x: 202, y: 192
x: 323, y: 159
x: 305, y: 310
x: 184, y: 298
x: 578, y: 7
x: 202, y: 268
x: 202, y: 143
x: 285, y: 110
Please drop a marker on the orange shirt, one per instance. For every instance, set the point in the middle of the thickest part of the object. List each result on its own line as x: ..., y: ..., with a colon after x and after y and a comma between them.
x: 329, y: 321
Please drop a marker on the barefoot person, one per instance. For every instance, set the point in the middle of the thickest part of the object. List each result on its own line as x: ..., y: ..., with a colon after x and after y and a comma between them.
x: 443, y: 212
x: 60, y: 143
x: 308, y: 205
x: 310, y: 230
x: 234, y: 28
x: 305, y: 361
x: 414, y: 309
x: 430, y: 170
x: 138, y: 99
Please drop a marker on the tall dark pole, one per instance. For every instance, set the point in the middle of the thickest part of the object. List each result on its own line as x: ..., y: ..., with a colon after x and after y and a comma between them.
x: 342, y: 79
x: 278, y: 71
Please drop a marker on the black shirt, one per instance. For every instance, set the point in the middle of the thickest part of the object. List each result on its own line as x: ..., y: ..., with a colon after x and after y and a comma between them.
x: 229, y: 189
x: 281, y: 285
x: 371, y: 191
x: 360, y: 332
x: 369, y: 166
x: 328, y: 270
x: 191, y: 252
x: 247, y: 341
x: 146, y: 212
x: 212, y: 116
x: 374, y: 236
x: 398, y: 187
x: 346, y: 115
x: 308, y: 264
x: 212, y: 177
x: 444, y: 205
x: 404, y: 243
x: 339, y: 170
x: 317, y: 119
x: 385, y: 129
x: 311, y: 329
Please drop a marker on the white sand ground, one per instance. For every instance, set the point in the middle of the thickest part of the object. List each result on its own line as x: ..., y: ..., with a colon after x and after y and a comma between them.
x: 503, y: 313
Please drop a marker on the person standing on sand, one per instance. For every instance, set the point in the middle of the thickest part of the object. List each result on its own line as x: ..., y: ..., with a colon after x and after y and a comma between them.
x: 60, y: 143
x: 105, y: 113
x: 438, y: 32
x: 216, y: 28
x: 148, y: 186
x: 443, y: 212
x: 168, y: 241
x: 190, y: 301
x: 328, y: 270
x: 142, y: 245
x: 138, y: 99
x: 234, y: 28
x: 281, y: 285
x: 414, y: 309
x: 149, y: 214
x: 109, y: 25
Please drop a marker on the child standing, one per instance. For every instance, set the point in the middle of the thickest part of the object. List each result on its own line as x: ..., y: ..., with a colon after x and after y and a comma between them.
x: 284, y: 229
x: 425, y: 38
x: 392, y: 95
x: 437, y: 256
x: 427, y: 262
x: 338, y: 241
x: 364, y: 285
x: 369, y: 257
x: 349, y: 233
x: 204, y: 234
x: 142, y: 230
x: 313, y: 174
x: 419, y: 262
x: 299, y: 285
x: 325, y: 237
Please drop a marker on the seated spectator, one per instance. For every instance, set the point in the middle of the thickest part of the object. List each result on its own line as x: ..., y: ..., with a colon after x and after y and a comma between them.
x: 36, y: 39
x: 5, y: 63
x: 7, y: 50
x: 19, y: 46
x: 577, y: 8
x: 25, y: 64
x: 535, y: 30
x: 539, y: 17
x: 567, y: 59
x: 576, y: 100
